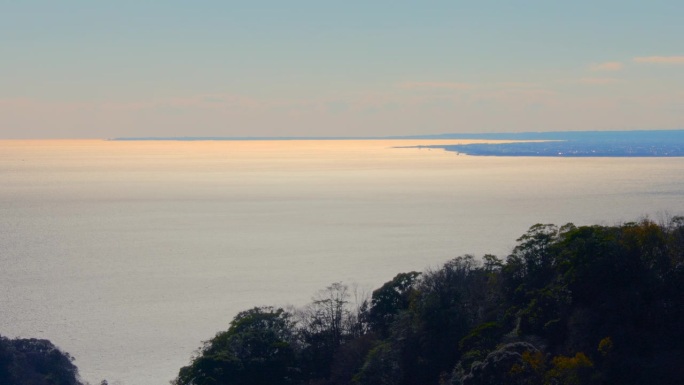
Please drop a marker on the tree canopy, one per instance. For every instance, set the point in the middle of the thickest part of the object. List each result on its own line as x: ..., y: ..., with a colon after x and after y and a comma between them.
x: 256, y: 349
x: 569, y: 305
x: 33, y: 361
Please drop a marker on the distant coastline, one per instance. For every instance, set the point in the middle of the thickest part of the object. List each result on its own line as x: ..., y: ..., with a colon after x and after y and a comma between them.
x: 661, y: 143
x: 638, y: 143
x: 518, y: 136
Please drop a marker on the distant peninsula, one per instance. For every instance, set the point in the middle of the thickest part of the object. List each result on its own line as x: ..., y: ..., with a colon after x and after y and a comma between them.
x: 641, y: 143
x: 660, y: 143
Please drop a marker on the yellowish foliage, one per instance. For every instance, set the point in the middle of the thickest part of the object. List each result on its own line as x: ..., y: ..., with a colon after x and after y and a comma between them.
x: 534, y: 360
x: 605, y: 346
x: 532, y: 365
x: 570, y: 370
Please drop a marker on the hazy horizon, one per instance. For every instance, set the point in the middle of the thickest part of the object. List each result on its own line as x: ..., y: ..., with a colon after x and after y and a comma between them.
x: 519, y: 135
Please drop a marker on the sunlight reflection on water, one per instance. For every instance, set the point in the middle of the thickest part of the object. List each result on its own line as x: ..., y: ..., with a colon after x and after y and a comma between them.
x: 129, y: 254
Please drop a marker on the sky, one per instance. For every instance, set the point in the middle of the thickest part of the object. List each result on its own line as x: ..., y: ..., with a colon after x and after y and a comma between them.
x: 96, y: 69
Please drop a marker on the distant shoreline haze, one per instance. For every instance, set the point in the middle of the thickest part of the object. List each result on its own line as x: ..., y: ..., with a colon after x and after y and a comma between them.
x: 558, y: 135
x: 641, y: 143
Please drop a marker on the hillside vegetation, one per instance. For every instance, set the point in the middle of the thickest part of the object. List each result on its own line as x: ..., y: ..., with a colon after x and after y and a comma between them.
x: 569, y: 305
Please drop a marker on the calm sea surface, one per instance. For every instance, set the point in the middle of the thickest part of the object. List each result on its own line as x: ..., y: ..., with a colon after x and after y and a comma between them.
x: 129, y: 254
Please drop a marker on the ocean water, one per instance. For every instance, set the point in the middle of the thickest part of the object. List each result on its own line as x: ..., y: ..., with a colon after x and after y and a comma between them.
x: 129, y: 254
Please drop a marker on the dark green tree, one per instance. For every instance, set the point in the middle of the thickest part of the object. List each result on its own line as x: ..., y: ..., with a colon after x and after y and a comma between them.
x: 256, y: 349
x: 35, y: 362
x: 381, y: 367
x: 389, y: 300
x: 441, y: 312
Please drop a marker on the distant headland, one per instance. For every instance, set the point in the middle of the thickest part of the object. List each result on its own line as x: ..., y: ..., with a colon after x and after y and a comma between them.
x: 640, y: 143
x: 660, y: 143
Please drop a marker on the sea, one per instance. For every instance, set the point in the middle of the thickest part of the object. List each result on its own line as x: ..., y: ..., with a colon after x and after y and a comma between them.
x: 129, y: 254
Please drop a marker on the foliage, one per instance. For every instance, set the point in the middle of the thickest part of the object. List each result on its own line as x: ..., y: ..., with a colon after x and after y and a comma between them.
x: 256, y: 349
x: 390, y: 299
x: 570, y: 370
x: 324, y: 325
x: 381, y: 367
x: 569, y: 305
x: 35, y: 362
x: 516, y: 363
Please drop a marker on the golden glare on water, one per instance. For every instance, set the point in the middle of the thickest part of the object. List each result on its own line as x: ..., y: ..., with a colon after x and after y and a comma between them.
x: 128, y: 254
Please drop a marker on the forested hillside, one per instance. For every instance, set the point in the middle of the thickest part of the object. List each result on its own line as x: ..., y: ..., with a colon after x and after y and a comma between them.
x: 569, y: 305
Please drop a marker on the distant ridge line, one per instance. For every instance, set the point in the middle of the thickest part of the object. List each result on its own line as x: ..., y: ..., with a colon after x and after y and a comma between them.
x: 539, y: 135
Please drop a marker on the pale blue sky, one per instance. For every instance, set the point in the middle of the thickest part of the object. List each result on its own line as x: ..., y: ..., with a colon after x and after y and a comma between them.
x: 89, y: 69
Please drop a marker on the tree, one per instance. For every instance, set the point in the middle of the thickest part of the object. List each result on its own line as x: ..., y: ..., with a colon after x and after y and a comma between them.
x: 532, y: 259
x: 381, y: 367
x: 256, y: 350
x: 325, y: 324
x: 35, y: 362
x: 389, y: 300
x: 440, y: 314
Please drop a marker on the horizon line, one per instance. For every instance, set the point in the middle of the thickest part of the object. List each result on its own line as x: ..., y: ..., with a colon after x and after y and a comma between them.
x: 489, y: 135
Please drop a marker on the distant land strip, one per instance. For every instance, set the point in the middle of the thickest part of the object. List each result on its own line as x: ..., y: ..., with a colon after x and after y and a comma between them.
x: 542, y: 135
x: 638, y: 143
x: 658, y: 143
